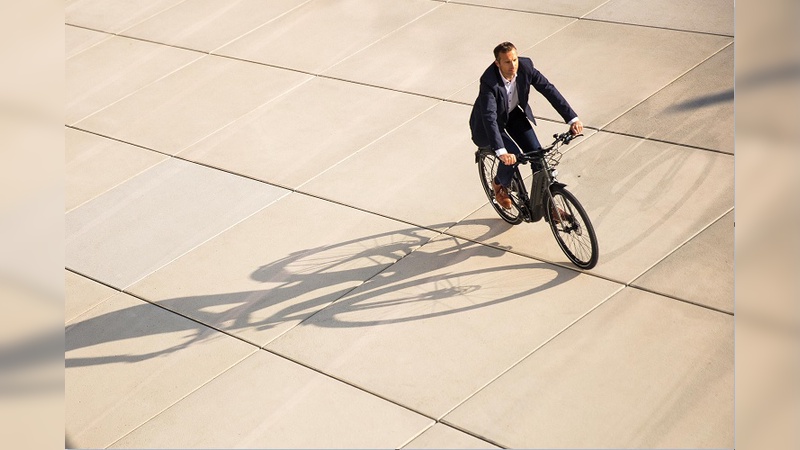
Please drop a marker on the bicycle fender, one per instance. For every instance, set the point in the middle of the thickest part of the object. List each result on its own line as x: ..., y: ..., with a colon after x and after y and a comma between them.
x: 558, y: 184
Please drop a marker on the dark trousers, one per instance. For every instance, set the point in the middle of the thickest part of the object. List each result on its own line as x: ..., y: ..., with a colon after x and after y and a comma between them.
x: 517, y: 135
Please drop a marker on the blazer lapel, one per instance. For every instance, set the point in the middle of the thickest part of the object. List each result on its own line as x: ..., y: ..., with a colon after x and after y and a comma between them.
x: 501, y: 89
x: 523, y: 81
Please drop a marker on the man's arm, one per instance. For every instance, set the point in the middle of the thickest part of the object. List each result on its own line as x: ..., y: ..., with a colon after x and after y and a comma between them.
x: 559, y: 103
x: 488, y: 112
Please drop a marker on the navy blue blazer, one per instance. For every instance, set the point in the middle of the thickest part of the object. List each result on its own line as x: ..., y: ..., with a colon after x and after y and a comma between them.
x: 490, y: 111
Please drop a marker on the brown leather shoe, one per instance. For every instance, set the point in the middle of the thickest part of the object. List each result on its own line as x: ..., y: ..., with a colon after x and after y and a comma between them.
x: 559, y: 214
x: 501, y: 195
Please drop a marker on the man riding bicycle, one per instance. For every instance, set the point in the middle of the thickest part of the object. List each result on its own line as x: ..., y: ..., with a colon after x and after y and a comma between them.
x: 501, y: 116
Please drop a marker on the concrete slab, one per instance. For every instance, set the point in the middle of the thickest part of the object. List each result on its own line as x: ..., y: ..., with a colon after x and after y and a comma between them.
x: 700, y: 271
x: 127, y: 360
x: 640, y: 371
x: 190, y: 104
x: 444, y: 322
x: 112, y: 17
x: 208, y: 24
x: 94, y: 164
x: 294, y: 138
x: 713, y: 16
x: 82, y: 294
x: 423, y: 172
x: 443, y: 436
x: 258, y: 287
x: 645, y: 199
x: 695, y: 110
x: 444, y: 51
x: 320, y: 33
x: 139, y: 226
x: 113, y: 69
x: 78, y: 39
x: 605, y: 69
x: 576, y: 8
x: 268, y: 402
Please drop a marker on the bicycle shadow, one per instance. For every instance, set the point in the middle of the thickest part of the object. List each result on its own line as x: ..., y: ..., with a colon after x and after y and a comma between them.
x: 344, y: 278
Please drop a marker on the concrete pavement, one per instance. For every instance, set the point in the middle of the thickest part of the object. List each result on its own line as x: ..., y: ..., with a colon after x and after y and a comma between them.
x: 275, y: 234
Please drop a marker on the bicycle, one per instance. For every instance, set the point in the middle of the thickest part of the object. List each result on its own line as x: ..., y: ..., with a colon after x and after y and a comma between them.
x: 550, y: 200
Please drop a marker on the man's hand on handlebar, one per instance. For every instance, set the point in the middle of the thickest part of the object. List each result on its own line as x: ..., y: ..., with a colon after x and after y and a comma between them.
x: 576, y: 128
x: 508, y: 159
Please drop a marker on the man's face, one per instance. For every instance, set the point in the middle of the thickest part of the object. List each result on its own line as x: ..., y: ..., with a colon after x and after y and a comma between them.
x: 508, y: 63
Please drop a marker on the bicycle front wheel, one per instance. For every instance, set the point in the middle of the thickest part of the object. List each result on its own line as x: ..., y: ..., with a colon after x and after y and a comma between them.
x: 487, y: 169
x: 572, y: 228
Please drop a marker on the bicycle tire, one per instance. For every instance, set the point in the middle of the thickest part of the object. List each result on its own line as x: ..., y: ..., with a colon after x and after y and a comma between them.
x: 574, y: 233
x: 487, y: 169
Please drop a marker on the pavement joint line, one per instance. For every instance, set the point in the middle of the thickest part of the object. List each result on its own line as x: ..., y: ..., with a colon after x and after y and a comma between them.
x: 540, y: 346
x: 110, y: 33
x: 682, y: 300
x: 516, y: 10
x: 115, y: 289
x: 486, y: 439
x: 657, y: 27
x: 379, y: 39
x: 203, y: 324
x: 357, y: 208
x: 664, y: 141
x: 408, y: 441
x: 150, y: 41
x: 298, y: 6
x: 596, y: 8
x: 210, y: 238
x: 77, y: 128
x: 657, y: 91
x: 686, y: 241
x: 348, y: 383
x: 163, y: 76
x: 359, y: 150
x: 202, y: 385
x: 236, y: 119
x: 89, y: 277
x: 154, y: 14
x: 584, y: 17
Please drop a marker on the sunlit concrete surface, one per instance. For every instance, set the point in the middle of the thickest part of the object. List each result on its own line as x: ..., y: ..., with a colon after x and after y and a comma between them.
x: 276, y: 237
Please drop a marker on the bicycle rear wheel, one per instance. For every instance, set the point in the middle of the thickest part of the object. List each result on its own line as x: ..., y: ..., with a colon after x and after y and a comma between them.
x: 573, y: 230
x: 487, y: 169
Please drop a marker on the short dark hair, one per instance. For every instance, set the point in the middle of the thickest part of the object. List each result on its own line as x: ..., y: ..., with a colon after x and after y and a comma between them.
x: 503, y: 47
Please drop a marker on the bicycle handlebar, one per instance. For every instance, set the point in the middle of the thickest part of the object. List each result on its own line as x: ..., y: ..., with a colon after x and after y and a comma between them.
x: 563, y: 138
x: 566, y: 138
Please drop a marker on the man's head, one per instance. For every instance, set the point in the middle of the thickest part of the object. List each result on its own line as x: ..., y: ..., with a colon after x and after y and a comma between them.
x: 505, y: 58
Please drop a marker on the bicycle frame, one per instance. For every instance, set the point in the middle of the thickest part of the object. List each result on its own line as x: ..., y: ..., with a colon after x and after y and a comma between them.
x: 532, y: 207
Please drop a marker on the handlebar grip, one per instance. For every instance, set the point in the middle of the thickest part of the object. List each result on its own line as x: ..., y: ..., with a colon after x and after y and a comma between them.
x: 569, y: 137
